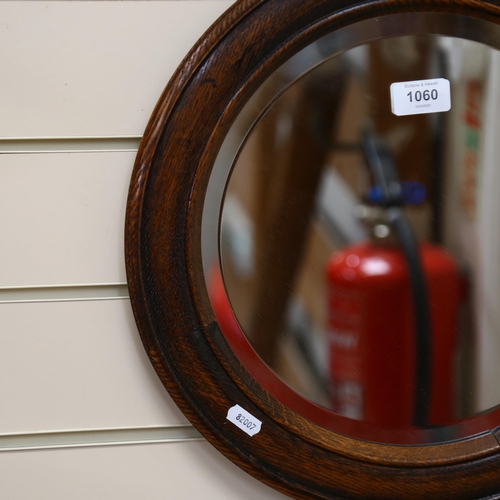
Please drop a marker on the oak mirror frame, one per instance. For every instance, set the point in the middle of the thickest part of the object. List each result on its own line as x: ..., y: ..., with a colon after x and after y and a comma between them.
x: 167, y: 284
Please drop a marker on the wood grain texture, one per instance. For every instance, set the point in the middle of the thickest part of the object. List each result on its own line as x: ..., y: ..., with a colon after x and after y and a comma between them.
x: 168, y: 291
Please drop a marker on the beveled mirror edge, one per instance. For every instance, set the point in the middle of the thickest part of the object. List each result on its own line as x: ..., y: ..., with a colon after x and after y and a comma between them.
x: 145, y: 312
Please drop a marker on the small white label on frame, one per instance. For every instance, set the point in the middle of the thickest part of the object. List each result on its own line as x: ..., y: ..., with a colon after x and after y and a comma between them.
x: 242, y: 419
x: 421, y: 96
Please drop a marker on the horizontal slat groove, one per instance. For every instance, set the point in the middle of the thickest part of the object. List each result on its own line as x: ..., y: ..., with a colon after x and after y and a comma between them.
x: 64, y: 293
x: 40, y: 145
x: 98, y: 437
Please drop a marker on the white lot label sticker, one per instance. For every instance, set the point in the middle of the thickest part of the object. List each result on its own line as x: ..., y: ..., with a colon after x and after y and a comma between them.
x: 420, y: 96
x: 242, y: 419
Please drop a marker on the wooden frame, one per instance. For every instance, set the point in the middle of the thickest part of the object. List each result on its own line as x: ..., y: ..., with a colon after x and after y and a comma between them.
x: 168, y: 291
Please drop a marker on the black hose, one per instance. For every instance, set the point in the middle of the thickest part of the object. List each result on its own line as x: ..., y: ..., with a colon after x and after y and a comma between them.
x: 409, y: 245
x: 385, y: 175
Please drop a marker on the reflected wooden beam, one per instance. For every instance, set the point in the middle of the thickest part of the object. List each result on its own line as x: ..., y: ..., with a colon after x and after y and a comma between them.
x: 285, y: 211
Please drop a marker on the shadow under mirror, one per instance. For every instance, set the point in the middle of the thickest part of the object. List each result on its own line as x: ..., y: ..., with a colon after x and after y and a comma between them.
x: 357, y: 271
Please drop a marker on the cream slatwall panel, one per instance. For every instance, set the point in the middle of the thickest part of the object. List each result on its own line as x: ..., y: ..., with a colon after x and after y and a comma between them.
x: 63, y: 218
x: 187, y: 471
x: 77, y: 365
x: 91, y: 68
x: 86, y: 70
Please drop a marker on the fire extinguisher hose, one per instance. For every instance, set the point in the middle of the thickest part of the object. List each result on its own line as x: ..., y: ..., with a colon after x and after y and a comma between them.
x: 385, y: 175
x: 418, y: 284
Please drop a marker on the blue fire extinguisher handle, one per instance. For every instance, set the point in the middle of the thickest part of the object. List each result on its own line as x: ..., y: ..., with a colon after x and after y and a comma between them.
x: 412, y: 193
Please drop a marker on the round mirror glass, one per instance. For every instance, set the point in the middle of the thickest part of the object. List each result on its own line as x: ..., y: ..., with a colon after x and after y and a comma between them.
x: 350, y: 230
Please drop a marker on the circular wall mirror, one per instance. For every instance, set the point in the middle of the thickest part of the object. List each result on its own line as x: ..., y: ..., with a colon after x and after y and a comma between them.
x: 313, y: 265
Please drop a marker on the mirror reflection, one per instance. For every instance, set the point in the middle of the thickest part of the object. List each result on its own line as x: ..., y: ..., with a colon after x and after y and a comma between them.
x: 359, y: 253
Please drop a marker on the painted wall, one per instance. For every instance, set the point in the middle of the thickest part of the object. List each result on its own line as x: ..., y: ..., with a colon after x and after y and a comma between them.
x: 82, y: 414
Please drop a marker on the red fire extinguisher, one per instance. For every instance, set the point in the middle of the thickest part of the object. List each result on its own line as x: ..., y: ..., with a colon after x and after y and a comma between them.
x: 371, y: 334
x: 392, y: 319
